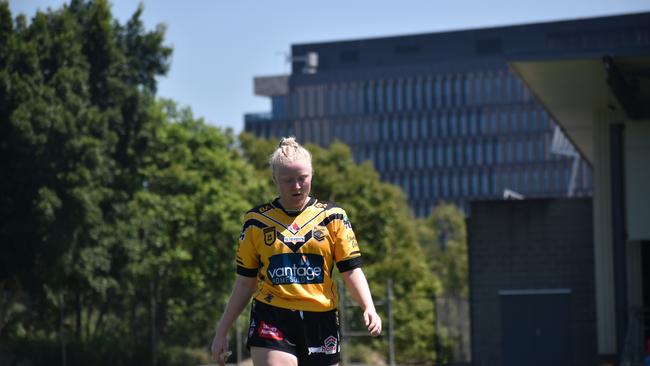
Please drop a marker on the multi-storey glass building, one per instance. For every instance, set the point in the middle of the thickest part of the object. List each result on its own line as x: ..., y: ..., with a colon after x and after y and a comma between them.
x: 442, y: 115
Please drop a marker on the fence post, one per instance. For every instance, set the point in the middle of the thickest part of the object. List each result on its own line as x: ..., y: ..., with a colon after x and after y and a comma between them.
x: 436, y: 339
x: 389, y: 311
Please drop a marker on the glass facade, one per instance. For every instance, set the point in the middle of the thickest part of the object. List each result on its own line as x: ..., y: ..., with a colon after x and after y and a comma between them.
x: 446, y: 132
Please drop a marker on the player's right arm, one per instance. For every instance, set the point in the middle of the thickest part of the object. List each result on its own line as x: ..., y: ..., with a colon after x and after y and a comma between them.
x: 244, y: 288
x: 241, y: 294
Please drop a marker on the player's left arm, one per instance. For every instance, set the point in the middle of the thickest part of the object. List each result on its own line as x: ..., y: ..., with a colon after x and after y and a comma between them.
x: 356, y: 283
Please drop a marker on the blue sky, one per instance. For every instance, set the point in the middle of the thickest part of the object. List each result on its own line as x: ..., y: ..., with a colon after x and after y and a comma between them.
x: 220, y: 45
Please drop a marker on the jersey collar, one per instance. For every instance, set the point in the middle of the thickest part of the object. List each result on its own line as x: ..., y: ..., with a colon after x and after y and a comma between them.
x: 276, y: 203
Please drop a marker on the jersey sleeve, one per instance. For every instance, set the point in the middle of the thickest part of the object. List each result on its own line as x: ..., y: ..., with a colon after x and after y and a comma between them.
x: 247, y: 255
x: 346, y: 249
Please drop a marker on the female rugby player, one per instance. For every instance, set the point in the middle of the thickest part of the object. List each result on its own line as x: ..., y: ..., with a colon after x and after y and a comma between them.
x: 286, y: 255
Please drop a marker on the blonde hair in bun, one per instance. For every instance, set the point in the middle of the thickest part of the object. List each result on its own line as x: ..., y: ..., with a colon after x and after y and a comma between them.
x: 288, y: 151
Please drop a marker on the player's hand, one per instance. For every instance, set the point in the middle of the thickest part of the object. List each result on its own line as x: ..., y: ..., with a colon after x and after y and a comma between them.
x: 219, y: 349
x: 372, y: 321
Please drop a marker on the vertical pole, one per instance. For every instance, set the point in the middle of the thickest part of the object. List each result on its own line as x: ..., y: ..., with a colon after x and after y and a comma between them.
x: 436, y: 339
x: 342, y: 324
x: 153, y: 322
x: 389, y: 310
x: 64, y: 361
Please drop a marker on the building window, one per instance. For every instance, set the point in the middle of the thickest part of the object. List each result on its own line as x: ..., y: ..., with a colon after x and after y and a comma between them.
x: 430, y: 158
x: 469, y: 153
x: 485, y: 184
x: 503, y: 122
x: 449, y: 154
x: 440, y: 156
x: 454, y: 184
x: 342, y: 99
x: 464, y: 187
x: 487, y: 88
x: 467, y: 89
x: 428, y: 94
x: 437, y: 92
x: 425, y: 187
x: 370, y: 100
x: 473, y: 124
x: 497, y: 86
x: 389, y: 96
x: 458, y: 91
x: 479, y: 152
x: 443, y: 125
x: 379, y: 100
x: 433, y: 127
x: 408, y: 94
x: 478, y: 89
x: 448, y: 91
x: 418, y: 94
x: 399, y: 96
x: 424, y: 126
x: 459, y: 154
x: 453, y: 124
x: 497, y: 152
x: 475, y: 184
x: 404, y: 128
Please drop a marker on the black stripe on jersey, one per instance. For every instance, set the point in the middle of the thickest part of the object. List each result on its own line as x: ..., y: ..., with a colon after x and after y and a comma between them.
x: 330, y: 218
x: 253, y: 222
x: 349, y: 264
x: 294, y: 246
x: 286, y: 227
x: 247, y: 272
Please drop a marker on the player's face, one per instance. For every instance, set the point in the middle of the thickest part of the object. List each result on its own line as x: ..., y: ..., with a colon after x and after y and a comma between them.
x: 293, y: 182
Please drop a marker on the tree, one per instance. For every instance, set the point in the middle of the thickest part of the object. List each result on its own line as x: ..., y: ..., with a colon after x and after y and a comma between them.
x: 443, y: 236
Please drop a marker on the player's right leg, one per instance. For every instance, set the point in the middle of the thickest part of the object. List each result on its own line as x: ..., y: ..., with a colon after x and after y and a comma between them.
x: 272, y: 357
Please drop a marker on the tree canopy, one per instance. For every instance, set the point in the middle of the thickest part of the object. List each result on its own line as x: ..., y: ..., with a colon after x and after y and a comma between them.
x: 120, y: 210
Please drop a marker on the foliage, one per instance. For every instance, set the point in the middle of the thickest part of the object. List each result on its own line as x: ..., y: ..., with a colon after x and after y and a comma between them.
x: 443, y: 236
x: 120, y: 211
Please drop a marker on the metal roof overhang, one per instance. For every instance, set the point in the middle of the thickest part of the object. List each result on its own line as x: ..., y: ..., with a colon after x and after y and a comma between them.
x: 572, y: 90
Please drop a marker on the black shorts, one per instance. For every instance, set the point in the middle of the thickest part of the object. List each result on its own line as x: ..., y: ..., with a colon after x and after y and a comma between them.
x: 313, y: 337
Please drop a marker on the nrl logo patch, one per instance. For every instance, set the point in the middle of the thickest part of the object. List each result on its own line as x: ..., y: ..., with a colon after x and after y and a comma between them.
x: 269, y: 235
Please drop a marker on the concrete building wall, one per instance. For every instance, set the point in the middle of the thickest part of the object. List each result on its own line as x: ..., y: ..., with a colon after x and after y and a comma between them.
x: 532, y: 247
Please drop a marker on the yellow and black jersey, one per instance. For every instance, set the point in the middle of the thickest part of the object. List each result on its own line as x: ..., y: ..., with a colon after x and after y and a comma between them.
x: 293, y: 254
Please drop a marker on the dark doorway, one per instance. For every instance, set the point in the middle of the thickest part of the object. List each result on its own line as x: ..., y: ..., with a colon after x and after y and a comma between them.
x: 535, y: 328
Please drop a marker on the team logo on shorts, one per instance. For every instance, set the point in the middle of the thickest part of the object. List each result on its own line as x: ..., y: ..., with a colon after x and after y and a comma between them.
x: 269, y: 235
x: 269, y: 331
x: 329, y: 347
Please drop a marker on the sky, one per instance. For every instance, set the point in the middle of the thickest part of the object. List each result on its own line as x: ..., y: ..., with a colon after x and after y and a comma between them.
x: 221, y: 45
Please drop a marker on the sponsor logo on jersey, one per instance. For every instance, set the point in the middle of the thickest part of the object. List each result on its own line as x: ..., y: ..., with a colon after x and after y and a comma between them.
x: 269, y: 235
x: 295, y: 268
x: 294, y: 239
x: 265, y: 208
x: 329, y: 347
x: 269, y: 331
